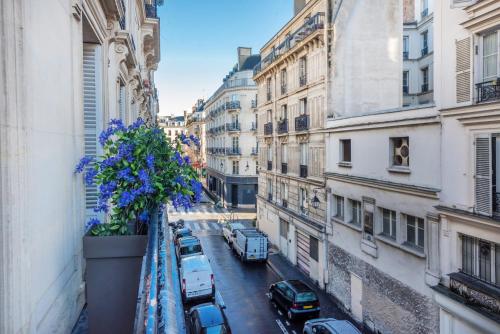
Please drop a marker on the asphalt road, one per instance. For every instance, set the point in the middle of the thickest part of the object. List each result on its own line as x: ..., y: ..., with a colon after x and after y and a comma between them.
x: 243, y: 287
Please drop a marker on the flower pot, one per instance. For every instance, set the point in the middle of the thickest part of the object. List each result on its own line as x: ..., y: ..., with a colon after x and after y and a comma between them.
x: 112, y: 277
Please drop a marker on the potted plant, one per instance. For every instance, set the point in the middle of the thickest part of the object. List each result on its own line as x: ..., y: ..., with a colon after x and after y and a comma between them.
x: 139, y: 171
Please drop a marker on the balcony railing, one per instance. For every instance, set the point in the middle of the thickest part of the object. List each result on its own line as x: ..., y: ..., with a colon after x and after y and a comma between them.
x: 269, y: 165
x: 405, y: 55
x: 302, y: 123
x: 283, y: 126
x: 284, y: 168
x: 476, y: 292
x: 303, y: 80
x: 425, y: 51
x: 233, y: 151
x: 315, y: 23
x: 232, y: 105
x: 425, y: 88
x: 425, y: 12
x: 284, y: 203
x: 488, y: 91
x: 151, y: 11
x: 232, y: 127
x: 216, y: 150
x: 303, y: 170
x: 268, y: 128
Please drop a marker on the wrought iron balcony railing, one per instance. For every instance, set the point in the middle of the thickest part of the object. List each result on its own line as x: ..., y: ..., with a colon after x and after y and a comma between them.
x: 284, y: 168
x: 488, y: 91
x: 303, y: 170
x: 268, y: 128
x: 269, y: 165
x: 233, y: 151
x: 284, y: 203
x: 303, y: 80
x: 283, y: 126
x: 232, y: 127
x: 425, y: 51
x: 313, y: 24
x: 151, y: 10
x: 232, y: 105
x: 302, y: 123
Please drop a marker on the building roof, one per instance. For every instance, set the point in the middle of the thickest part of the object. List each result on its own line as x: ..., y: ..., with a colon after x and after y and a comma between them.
x: 250, y: 62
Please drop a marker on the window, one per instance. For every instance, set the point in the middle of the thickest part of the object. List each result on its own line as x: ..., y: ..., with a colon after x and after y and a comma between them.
x: 284, y: 112
x: 303, y: 200
x: 268, y: 89
x: 303, y: 154
x: 122, y: 103
x: 487, y: 168
x: 345, y: 150
x: 490, y: 56
x: 270, y: 189
x: 415, y: 231
x: 406, y: 46
x: 406, y: 87
x: 169, y: 132
x: 338, y: 207
x: 283, y: 228
x: 313, y: 248
x: 235, y: 142
x: 400, y: 148
x: 236, y: 167
x: 389, y: 223
x: 425, y: 8
x: 283, y: 77
x: 284, y: 153
x: 481, y: 258
x: 269, y: 153
x: 284, y: 194
x: 355, y: 208
x: 302, y: 71
x: 235, y: 97
x: 425, y: 79
x: 425, y: 43
x: 303, y: 106
x: 269, y: 116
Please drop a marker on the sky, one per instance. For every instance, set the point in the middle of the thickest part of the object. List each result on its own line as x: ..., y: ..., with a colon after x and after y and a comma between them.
x: 198, y: 42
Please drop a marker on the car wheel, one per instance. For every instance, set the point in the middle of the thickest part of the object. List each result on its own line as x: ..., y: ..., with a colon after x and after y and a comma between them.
x: 289, y: 315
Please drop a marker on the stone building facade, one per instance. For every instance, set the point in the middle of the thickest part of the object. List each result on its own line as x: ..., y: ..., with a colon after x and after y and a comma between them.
x: 67, y: 67
x: 231, y: 142
x: 195, y: 125
x: 291, y: 106
x: 172, y: 125
x: 382, y: 171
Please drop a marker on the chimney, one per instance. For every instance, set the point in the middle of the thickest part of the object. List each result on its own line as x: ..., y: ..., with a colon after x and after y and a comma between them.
x: 298, y: 5
x: 408, y: 11
x: 243, y: 54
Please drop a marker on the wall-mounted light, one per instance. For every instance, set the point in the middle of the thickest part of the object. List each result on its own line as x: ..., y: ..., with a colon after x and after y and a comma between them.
x: 315, y: 200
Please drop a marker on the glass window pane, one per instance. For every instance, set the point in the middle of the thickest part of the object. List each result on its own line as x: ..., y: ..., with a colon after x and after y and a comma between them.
x: 490, y: 54
x: 485, y: 260
x: 410, y: 229
x: 467, y: 255
x: 497, y: 264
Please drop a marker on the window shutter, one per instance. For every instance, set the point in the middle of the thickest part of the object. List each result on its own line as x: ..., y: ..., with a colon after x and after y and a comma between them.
x: 483, y: 171
x: 92, y: 115
x: 463, y: 70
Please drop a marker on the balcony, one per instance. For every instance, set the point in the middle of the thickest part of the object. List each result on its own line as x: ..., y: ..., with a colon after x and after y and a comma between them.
x: 253, y: 127
x: 425, y: 13
x: 425, y: 51
x: 283, y: 126
x: 405, y: 55
x: 269, y: 165
x: 233, y: 127
x: 284, y: 168
x: 311, y: 26
x: 233, y: 151
x: 232, y: 106
x: 488, y: 91
x: 283, y: 89
x: 284, y: 203
x: 268, y: 129
x: 255, y: 151
x: 302, y: 80
x: 151, y: 11
x: 302, y: 123
x: 425, y: 88
x: 303, y: 171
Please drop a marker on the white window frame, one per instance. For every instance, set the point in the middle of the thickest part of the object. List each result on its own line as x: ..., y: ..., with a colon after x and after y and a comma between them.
x: 338, y: 202
x: 476, y: 261
x: 417, y: 231
x: 393, y: 223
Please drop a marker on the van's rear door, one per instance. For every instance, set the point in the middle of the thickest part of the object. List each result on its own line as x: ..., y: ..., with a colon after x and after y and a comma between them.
x: 256, y: 247
x: 198, y: 282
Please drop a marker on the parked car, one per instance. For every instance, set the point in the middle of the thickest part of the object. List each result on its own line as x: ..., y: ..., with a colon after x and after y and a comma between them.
x: 188, y: 246
x: 329, y: 326
x: 197, y: 278
x: 296, y: 298
x: 250, y: 245
x: 181, y: 233
x: 177, y: 225
x: 229, y: 230
x: 208, y: 318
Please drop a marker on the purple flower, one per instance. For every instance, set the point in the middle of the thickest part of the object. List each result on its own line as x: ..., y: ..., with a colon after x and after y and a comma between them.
x: 184, y: 139
x: 146, y: 182
x: 178, y: 158
x: 83, y: 162
x: 106, y: 189
x: 115, y: 125
x: 195, y: 140
x: 125, y: 199
x: 125, y: 174
x: 197, y: 189
x: 180, y: 180
x: 118, y: 124
x: 137, y: 124
x: 125, y: 151
x: 144, y: 216
x: 90, y: 176
x: 187, y: 161
x: 181, y: 200
x: 150, y: 161
x: 91, y: 224
x: 102, y: 206
x: 109, y: 162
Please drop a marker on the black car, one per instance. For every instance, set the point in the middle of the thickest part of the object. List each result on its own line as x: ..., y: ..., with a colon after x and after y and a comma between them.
x: 296, y: 298
x: 181, y: 233
x: 208, y: 318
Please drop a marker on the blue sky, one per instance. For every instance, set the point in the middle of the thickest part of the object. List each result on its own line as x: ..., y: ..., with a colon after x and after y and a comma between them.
x: 199, y: 40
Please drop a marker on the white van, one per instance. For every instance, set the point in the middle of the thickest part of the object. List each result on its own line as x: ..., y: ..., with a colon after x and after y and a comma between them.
x: 197, y: 278
x: 229, y: 229
x: 250, y: 245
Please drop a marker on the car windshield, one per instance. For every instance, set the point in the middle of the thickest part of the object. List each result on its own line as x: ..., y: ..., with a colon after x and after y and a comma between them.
x: 185, y: 250
x: 214, y: 330
x: 306, y: 297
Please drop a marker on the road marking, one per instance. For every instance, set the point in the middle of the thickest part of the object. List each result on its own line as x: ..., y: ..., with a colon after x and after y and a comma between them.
x: 287, y: 323
x: 294, y: 332
x: 279, y: 312
x: 281, y: 326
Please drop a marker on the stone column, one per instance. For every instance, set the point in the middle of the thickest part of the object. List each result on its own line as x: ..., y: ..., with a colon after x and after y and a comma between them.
x: 432, y: 249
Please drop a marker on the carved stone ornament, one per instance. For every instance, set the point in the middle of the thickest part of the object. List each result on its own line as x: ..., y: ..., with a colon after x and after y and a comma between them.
x: 268, y: 141
x: 303, y: 138
x: 283, y: 139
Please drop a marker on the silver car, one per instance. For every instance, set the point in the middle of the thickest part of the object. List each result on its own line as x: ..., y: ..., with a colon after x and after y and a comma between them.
x: 329, y: 326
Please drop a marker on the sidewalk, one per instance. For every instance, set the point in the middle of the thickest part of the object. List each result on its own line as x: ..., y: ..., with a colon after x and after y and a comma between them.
x: 287, y: 270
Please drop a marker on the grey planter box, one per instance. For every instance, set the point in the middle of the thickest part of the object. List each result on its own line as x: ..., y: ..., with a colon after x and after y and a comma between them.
x: 112, y: 276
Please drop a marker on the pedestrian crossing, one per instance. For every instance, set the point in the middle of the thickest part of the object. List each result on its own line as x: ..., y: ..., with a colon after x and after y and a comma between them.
x: 198, y: 209
x: 200, y: 226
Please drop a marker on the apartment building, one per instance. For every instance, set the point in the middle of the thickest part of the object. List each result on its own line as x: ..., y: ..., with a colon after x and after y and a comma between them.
x: 67, y: 67
x: 468, y: 87
x: 383, y: 167
x: 291, y: 80
x: 195, y: 125
x: 172, y: 125
x: 418, y: 69
x: 231, y: 136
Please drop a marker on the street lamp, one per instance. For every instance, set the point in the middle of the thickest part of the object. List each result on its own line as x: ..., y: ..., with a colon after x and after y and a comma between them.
x: 315, y: 200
